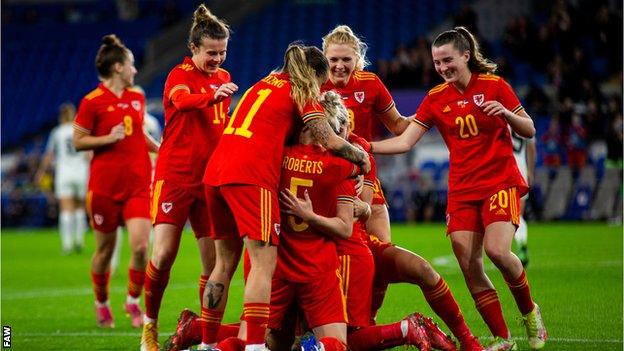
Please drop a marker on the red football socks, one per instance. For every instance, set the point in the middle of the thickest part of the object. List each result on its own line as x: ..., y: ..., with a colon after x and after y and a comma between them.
x: 211, y: 320
x: 100, y: 286
x: 490, y: 309
x: 257, y: 317
x: 521, y: 292
x: 135, y: 282
x: 444, y: 305
x: 155, y: 283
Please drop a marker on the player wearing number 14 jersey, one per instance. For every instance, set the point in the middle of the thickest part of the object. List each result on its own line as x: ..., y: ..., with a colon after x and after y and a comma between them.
x: 196, y: 99
x: 472, y: 110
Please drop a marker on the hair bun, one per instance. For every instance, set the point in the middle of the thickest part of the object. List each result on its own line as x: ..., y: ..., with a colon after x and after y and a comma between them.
x: 111, y: 39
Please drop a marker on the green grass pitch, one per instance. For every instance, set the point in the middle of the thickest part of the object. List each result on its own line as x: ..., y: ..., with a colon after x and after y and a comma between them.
x: 575, y: 274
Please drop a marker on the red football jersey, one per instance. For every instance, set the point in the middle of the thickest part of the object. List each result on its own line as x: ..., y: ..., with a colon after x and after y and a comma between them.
x: 190, y: 136
x: 480, y: 146
x: 304, y: 252
x: 252, y: 145
x: 365, y: 97
x: 122, y: 169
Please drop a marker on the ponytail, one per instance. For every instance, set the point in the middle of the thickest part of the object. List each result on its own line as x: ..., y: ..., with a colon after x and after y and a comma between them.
x: 463, y: 41
x: 305, y: 65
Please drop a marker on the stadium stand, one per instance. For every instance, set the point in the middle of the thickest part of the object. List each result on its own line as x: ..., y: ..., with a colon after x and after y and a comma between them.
x: 47, y: 51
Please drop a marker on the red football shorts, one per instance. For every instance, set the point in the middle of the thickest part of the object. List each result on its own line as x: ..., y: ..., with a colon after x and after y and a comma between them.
x: 378, y: 195
x: 106, y: 214
x: 475, y: 216
x: 357, y: 273
x: 173, y: 204
x: 321, y: 300
x: 243, y: 210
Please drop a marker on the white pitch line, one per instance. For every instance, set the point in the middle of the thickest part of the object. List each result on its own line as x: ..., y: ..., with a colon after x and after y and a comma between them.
x: 60, y: 292
x: 115, y: 334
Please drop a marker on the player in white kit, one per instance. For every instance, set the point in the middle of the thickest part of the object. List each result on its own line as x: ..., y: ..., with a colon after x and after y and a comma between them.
x: 525, y: 153
x: 70, y: 179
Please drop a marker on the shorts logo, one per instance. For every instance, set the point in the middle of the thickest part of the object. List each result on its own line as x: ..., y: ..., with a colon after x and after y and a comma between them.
x: 136, y: 104
x: 359, y: 96
x: 478, y: 99
x: 448, y: 219
x: 166, y: 206
x: 501, y: 212
x: 99, y: 219
x: 277, y: 228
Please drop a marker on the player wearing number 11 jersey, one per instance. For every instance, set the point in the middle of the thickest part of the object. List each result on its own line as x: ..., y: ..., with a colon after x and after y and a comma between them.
x: 472, y: 111
x: 242, y: 178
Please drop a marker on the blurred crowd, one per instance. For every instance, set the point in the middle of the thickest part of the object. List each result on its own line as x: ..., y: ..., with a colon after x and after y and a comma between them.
x: 566, y: 61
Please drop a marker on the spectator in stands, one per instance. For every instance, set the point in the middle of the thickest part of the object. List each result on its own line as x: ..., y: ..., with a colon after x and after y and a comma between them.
x: 70, y: 179
x: 576, y: 145
x: 551, y: 146
x: 614, y: 142
x: 483, y: 209
x: 110, y: 122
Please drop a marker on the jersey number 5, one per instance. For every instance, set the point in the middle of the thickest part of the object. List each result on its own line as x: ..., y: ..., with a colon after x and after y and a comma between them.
x: 243, y: 130
x: 295, y: 183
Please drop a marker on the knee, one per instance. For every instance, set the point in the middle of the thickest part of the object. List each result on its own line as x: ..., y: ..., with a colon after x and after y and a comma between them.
x: 497, y: 254
x: 163, y: 258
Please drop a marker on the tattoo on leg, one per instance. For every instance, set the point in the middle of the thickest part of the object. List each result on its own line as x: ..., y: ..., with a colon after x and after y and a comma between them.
x: 214, y: 292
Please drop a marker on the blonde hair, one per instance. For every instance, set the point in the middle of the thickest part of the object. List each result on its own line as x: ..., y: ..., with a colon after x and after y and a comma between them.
x: 305, y: 65
x: 335, y: 111
x: 343, y: 34
x: 207, y: 25
x: 463, y: 41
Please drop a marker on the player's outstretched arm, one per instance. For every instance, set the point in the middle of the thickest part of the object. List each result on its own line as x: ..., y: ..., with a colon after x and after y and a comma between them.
x: 401, y: 143
x: 339, y: 226
x: 394, y: 121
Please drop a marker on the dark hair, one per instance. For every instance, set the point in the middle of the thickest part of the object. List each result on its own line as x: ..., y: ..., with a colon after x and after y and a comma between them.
x: 111, y: 51
x: 463, y: 41
x: 304, y: 64
x: 205, y: 24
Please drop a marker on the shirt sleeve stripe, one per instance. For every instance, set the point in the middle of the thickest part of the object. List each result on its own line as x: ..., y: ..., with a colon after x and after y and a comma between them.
x: 312, y: 115
x: 178, y: 87
x: 517, y: 109
x: 387, y: 108
x: 345, y: 199
x: 424, y: 125
x: 81, y: 128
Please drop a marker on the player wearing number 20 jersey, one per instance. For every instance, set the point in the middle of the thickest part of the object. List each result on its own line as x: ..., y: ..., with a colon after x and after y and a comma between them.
x: 481, y: 155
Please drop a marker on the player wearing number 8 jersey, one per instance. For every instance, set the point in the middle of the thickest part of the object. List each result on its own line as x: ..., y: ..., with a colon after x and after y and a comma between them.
x: 196, y: 99
x: 110, y: 122
x: 472, y: 111
x: 242, y: 178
